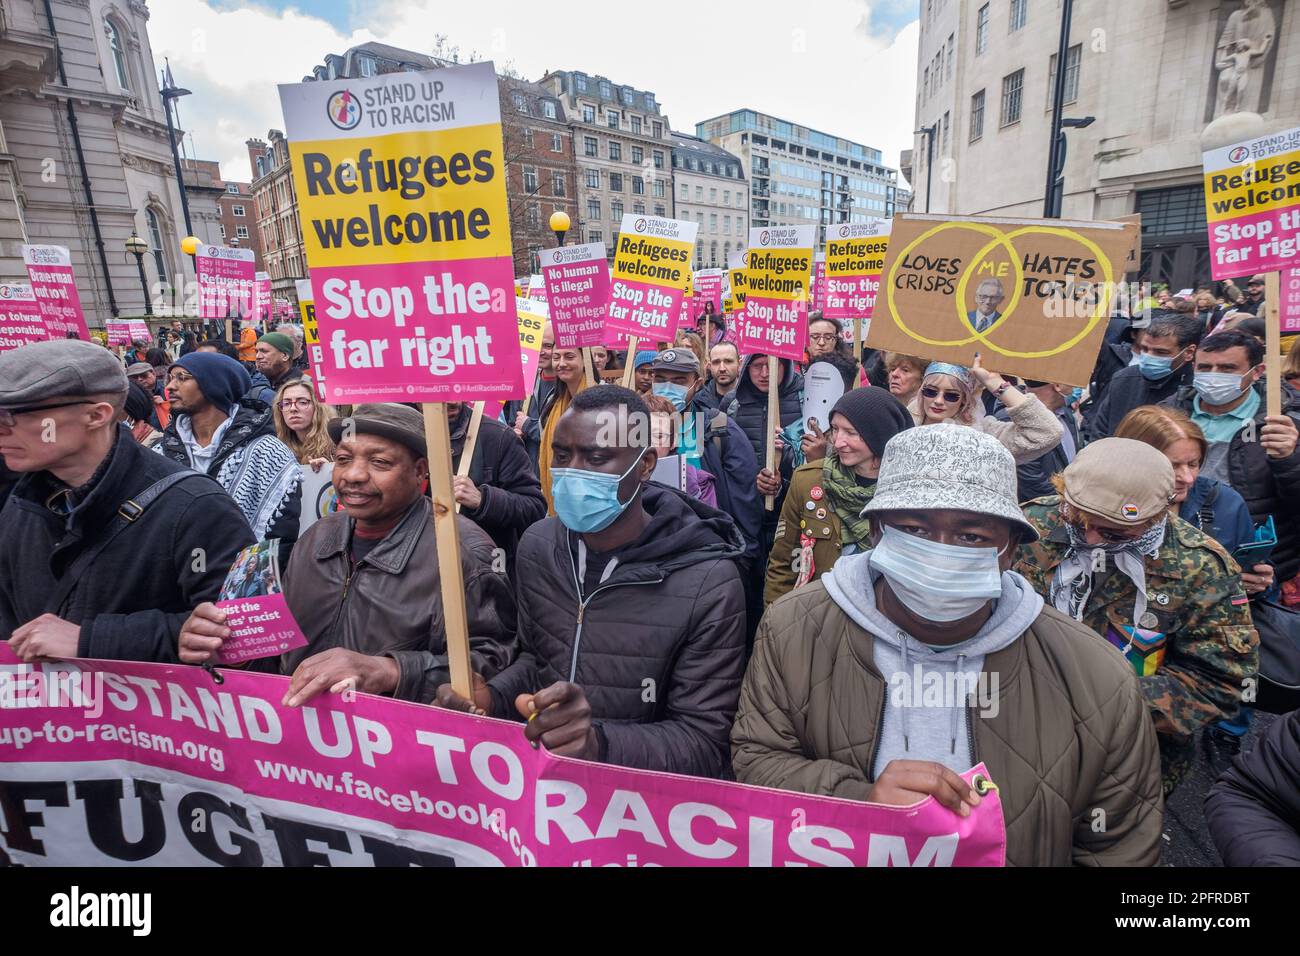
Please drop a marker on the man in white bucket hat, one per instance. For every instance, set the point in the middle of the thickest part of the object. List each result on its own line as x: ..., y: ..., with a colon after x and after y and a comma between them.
x: 925, y: 656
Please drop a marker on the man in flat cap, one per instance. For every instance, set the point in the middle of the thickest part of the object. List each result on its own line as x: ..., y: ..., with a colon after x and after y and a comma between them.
x: 364, y: 584
x: 144, y: 375
x: 1113, y: 554
x: 105, y: 547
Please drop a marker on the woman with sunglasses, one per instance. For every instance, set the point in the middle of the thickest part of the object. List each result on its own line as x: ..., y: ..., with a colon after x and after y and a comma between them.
x: 951, y: 393
x: 301, y: 421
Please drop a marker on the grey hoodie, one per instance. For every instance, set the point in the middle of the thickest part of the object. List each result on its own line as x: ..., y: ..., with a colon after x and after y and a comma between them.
x: 926, y: 715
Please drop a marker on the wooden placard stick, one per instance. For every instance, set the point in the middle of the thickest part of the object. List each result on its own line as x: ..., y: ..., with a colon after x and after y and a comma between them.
x: 471, y: 439
x: 1273, y: 343
x: 629, y: 367
x: 857, y: 347
x: 773, y: 423
x: 455, y: 618
x: 587, y: 365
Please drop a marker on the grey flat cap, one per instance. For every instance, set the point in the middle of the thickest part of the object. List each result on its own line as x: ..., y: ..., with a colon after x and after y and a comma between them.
x: 138, y: 368
x: 676, y: 360
x: 399, y: 423
x: 59, y: 368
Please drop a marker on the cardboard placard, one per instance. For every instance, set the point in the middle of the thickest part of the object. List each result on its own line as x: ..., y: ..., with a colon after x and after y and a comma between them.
x: 1031, y: 296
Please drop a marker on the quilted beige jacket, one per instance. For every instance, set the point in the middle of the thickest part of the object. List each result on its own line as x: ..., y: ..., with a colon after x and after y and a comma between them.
x: 1071, y: 746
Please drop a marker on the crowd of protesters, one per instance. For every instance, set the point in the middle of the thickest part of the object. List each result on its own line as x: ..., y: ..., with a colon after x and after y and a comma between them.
x: 644, y: 589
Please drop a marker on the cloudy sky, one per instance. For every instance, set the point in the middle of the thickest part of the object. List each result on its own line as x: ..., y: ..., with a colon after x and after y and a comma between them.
x: 847, y: 68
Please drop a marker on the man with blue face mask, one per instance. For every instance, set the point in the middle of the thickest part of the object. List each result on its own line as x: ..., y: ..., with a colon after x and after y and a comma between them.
x: 912, y: 662
x: 631, y: 610
x: 1162, y: 364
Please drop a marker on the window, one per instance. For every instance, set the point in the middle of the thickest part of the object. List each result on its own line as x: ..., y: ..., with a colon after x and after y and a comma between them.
x: 615, y: 150
x: 726, y: 225
x: 590, y: 146
x: 686, y: 192
x: 638, y: 155
x: 947, y: 70
x: 638, y: 186
x: 557, y: 143
x: 548, y: 109
x: 232, y: 188
x: 659, y: 156
x: 593, y: 179
x: 659, y: 189
x: 1179, y: 211
x: 982, y: 30
x: 533, y: 217
x: 557, y: 184
x: 636, y: 123
x: 367, y: 65
x: 659, y: 210
x: 528, y: 138
x: 236, y: 209
x: 1072, y: 58
x: 1012, y: 88
x: 699, y: 194
x: 713, y: 222
x: 593, y: 208
x: 1019, y: 10
x: 588, y: 114
x: 605, y: 89
x: 223, y: 231
x: 521, y: 104
x: 241, y: 232
x: 658, y: 130
x: 595, y: 235
x: 261, y: 169
x: 580, y: 83
x: 616, y: 182
x: 530, y: 179
x: 118, y: 51
x: 616, y: 211
x: 611, y: 119
x: 925, y: 83
x: 638, y: 209
x: 977, y: 116
x: 944, y: 147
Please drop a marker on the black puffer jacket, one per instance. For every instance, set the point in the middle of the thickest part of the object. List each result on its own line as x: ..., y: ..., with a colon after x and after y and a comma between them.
x: 133, y: 599
x: 505, y: 477
x: 1129, y: 390
x: 1271, y: 486
x: 1253, y: 812
x: 659, y: 648
x: 748, y: 406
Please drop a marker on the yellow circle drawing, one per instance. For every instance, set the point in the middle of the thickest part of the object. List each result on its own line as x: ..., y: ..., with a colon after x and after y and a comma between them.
x: 1003, y: 239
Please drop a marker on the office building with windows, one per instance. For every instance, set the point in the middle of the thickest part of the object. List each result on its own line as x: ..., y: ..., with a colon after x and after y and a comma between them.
x: 799, y: 175
x: 710, y: 188
x: 1152, y: 74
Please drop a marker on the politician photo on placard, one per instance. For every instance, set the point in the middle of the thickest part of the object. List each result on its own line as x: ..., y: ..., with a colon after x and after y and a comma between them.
x: 988, y: 297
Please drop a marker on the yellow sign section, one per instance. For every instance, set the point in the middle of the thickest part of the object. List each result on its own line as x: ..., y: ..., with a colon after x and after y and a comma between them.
x: 665, y: 262
x: 1253, y: 187
x: 391, y: 199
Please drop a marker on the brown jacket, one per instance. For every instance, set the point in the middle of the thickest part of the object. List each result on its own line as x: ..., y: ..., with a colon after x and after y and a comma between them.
x: 1070, y: 745
x: 390, y: 604
x: 805, y: 501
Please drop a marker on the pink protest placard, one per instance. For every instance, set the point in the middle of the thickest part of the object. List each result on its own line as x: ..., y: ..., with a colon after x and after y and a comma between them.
x: 261, y: 626
x: 1290, y: 302
x: 817, y: 299
x: 412, y: 273
x: 855, y: 256
x: 651, y: 274
x: 50, y: 270
x: 708, y: 290
x: 1252, y: 205
x: 20, y: 316
x: 263, y: 307
x: 226, y: 280
x: 776, y: 291
x: 577, y: 293
x: 382, y: 782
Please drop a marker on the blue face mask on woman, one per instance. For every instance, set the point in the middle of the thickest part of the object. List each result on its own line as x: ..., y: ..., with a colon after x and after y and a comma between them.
x: 587, y: 501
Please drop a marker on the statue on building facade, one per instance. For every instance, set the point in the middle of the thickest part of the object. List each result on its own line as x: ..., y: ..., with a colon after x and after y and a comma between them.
x: 1240, y: 55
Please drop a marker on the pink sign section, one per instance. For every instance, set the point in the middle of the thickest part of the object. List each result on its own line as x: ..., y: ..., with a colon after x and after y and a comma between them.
x: 260, y: 626
x: 406, y: 332
x: 708, y: 289
x: 262, y: 304
x: 226, y: 281
x: 20, y: 317
x: 577, y: 291
x: 50, y: 270
x: 1289, y: 305
x: 819, y: 287
x: 374, y: 781
x: 126, y: 331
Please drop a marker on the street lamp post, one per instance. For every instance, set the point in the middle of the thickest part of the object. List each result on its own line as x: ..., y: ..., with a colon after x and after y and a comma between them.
x: 929, y: 132
x: 170, y: 93
x: 1055, y: 161
x: 138, y: 247
x: 1055, y: 198
x: 560, y: 225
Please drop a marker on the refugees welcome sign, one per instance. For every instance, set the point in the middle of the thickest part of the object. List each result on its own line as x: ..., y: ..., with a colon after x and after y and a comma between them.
x: 401, y: 183
x: 111, y: 763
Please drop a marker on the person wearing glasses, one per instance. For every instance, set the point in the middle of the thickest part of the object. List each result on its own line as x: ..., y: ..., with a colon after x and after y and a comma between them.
x: 988, y: 296
x: 823, y: 337
x: 301, y: 422
x: 951, y: 393
x: 1170, y: 598
x: 99, y: 539
x: 217, y: 432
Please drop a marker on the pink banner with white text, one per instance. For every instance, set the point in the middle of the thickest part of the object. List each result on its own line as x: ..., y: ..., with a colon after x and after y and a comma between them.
x: 226, y: 281
x: 577, y: 292
x: 108, y: 763
x: 50, y: 270
x: 20, y: 317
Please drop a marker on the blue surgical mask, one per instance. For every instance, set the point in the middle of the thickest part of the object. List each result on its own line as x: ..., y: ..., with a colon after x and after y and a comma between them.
x: 1217, y: 388
x: 1155, y: 367
x: 935, y: 581
x: 587, y: 501
x: 674, y: 393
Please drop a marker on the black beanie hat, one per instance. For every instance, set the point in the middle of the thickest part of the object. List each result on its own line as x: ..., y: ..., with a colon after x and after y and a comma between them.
x: 221, y: 379
x: 876, y: 415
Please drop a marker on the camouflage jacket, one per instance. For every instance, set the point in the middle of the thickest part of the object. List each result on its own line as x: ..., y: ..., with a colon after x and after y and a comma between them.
x: 1195, y: 647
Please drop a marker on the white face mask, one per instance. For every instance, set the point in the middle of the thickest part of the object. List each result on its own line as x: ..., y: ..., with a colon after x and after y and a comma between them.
x: 937, y: 582
x: 1218, y: 388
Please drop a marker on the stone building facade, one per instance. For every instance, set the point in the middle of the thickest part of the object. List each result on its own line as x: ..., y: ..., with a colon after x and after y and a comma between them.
x: 1153, y: 74
x: 710, y: 189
